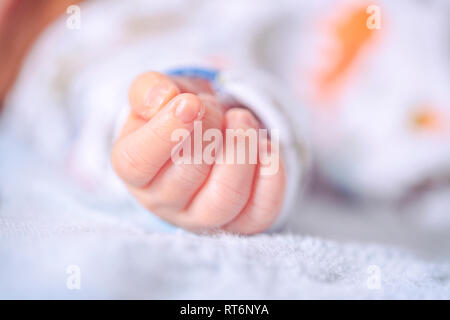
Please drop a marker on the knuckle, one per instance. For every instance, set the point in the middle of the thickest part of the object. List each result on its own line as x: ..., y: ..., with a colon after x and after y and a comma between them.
x: 264, y: 213
x: 229, y: 194
x: 191, y: 174
x: 223, y: 204
x: 130, y: 165
x: 161, y: 133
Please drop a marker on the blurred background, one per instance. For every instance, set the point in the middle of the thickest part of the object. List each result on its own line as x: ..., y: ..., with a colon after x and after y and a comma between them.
x: 368, y: 80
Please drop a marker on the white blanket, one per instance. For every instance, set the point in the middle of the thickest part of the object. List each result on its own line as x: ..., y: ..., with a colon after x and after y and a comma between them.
x: 51, y: 232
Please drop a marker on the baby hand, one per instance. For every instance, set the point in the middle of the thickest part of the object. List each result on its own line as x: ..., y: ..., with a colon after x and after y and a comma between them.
x: 198, y: 196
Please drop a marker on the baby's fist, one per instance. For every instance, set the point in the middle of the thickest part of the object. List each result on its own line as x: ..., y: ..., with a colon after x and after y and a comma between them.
x: 195, y: 194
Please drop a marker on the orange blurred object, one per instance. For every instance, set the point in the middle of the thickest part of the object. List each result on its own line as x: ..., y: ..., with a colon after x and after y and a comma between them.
x: 350, y: 34
x: 428, y: 119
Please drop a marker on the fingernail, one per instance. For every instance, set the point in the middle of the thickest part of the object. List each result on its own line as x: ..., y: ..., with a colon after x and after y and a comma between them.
x: 187, y: 110
x: 157, y: 95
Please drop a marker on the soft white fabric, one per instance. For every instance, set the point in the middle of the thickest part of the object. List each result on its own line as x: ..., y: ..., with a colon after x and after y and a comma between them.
x: 47, y: 225
x: 65, y: 101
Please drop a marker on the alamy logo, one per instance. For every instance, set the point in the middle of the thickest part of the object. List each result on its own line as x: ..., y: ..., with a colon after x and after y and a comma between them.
x: 74, y: 20
x: 374, y: 280
x: 374, y: 20
x: 239, y: 146
x: 74, y: 279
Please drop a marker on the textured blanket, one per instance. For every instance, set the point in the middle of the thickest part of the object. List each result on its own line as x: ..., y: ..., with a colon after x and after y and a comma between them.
x: 58, y: 242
